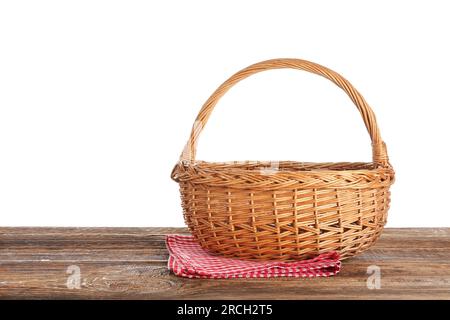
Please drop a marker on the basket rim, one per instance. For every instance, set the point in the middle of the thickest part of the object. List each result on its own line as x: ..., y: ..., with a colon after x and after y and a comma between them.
x: 307, y: 166
x: 237, y: 175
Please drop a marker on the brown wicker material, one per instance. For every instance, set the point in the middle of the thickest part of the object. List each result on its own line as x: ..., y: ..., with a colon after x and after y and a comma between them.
x: 285, y: 210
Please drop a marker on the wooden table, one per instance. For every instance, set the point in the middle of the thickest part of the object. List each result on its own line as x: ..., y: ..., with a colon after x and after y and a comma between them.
x: 130, y: 263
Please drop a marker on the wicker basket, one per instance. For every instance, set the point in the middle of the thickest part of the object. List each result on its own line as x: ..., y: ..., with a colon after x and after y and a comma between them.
x: 285, y: 210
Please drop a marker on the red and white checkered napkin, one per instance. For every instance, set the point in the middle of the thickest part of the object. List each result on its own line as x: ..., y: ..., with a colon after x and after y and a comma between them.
x: 188, y: 259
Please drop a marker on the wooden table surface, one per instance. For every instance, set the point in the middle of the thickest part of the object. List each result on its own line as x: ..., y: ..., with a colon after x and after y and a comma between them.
x: 130, y: 263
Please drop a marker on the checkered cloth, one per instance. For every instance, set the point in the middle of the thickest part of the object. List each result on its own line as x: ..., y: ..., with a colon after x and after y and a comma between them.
x: 188, y: 259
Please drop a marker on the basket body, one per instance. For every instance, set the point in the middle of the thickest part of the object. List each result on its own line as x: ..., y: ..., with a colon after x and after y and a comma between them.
x: 234, y: 216
x: 285, y: 210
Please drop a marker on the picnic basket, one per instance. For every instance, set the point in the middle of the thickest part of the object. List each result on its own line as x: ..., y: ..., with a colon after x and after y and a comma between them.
x: 290, y: 210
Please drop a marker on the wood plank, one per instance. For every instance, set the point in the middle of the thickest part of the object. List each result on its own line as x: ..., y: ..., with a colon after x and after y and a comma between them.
x: 130, y: 263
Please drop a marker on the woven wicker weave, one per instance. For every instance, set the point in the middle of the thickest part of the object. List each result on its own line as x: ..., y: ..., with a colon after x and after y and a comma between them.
x: 285, y: 210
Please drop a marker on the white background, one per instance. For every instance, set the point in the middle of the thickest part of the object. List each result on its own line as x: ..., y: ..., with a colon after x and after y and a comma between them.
x: 97, y: 99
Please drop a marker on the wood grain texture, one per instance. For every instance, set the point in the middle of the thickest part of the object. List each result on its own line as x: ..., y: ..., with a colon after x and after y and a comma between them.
x: 130, y: 263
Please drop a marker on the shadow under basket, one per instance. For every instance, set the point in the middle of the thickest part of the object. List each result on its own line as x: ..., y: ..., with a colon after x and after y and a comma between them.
x: 285, y: 210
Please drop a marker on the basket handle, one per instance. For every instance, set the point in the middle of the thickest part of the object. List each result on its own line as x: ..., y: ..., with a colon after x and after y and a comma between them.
x: 379, y: 152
